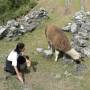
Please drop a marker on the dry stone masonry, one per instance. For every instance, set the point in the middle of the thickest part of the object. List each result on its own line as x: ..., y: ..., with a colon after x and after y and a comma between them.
x: 16, y: 28
x: 80, y: 29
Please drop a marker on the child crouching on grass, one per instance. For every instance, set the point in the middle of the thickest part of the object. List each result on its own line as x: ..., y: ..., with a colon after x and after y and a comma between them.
x: 16, y: 62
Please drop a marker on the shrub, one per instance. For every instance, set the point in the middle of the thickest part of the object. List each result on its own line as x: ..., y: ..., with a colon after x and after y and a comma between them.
x: 12, y: 8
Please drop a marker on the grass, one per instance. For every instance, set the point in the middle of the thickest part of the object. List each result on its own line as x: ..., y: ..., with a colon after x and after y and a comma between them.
x: 49, y: 75
x: 12, y: 12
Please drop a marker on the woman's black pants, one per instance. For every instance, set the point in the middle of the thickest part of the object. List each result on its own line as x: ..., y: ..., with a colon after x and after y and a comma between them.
x: 21, y: 64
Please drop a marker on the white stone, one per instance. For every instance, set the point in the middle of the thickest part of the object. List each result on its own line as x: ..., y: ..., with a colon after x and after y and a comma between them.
x: 21, y: 27
x: 73, y: 27
x: 2, y: 30
x: 40, y: 50
x: 47, y: 52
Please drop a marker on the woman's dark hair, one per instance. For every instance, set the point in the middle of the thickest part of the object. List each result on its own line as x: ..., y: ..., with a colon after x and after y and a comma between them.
x: 19, y: 46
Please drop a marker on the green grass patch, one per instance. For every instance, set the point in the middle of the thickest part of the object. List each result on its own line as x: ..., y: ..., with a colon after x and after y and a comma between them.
x: 46, y: 76
x: 14, y: 9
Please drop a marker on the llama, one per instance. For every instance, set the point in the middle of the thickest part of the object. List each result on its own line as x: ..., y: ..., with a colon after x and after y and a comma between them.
x: 58, y: 41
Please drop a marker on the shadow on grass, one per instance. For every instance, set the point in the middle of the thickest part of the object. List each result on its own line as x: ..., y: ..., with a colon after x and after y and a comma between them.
x: 27, y: 70
x: 34, y: 66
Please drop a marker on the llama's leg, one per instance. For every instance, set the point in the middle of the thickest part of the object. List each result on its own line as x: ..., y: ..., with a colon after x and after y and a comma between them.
x: 56, y: 55
x: 50, y: 47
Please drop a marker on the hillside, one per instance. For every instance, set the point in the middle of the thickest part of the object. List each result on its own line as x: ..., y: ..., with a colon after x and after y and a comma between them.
x: 10, y: 9
x: 49, y: 75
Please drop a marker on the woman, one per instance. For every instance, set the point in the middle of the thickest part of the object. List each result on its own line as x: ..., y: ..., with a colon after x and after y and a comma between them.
x: 15, y: 60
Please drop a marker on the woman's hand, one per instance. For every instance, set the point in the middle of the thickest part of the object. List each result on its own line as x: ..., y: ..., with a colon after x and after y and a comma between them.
x: 20, y: 78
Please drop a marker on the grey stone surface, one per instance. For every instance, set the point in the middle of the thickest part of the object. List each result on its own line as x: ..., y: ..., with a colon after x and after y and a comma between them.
x: 67, y: 27
x: 80, y: 29
x: 46, y: 53
x: 40, y: 50
x: 86, y: 51
x: 79, y: 69
x: 27, y: 23
x: 3, y: 31
x: 74, y: 28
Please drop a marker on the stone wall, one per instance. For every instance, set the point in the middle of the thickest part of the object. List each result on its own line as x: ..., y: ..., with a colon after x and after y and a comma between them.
x: 28, y: 23
x: 80, y: 29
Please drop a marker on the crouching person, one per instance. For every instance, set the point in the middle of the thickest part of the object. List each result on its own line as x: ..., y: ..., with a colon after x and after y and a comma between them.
x: 16, y: 62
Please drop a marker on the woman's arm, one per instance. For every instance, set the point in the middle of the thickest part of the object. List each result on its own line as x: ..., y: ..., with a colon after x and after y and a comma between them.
x: 18, y: 75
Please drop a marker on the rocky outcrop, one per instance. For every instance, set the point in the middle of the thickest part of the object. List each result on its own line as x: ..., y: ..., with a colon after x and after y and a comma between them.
x: 27, y: 23
x: 80, y: 29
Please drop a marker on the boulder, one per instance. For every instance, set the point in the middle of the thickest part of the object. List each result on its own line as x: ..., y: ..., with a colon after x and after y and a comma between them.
x: 3, y: 31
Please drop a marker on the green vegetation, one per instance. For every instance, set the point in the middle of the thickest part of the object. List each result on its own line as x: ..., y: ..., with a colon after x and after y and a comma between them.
x: 13, y: 8
x: 50, y: 75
